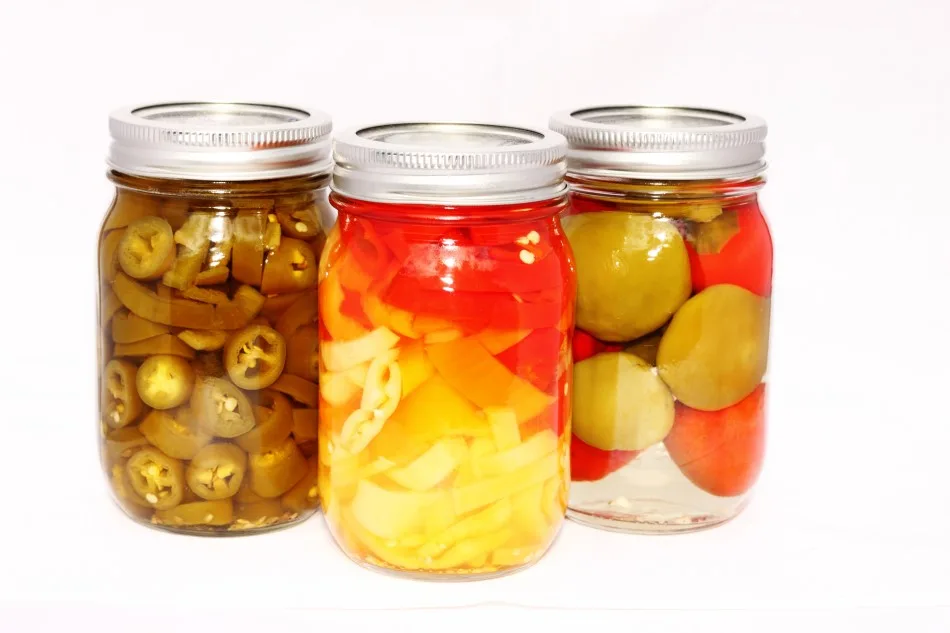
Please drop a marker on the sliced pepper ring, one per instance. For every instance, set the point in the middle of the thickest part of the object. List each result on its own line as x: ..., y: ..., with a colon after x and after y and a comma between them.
x: 120, y: 399
x: 221, y: 408
x: 156, y: 478
x: 254, y: 357
x: 147, y: 248
x: 217, y: 471
x: 175, y: 435
x: 299, y: 222
x: 290, y: 268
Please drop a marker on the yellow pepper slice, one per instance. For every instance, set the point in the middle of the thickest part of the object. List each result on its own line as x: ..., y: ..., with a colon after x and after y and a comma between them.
x: 475, y: 373
x: 341, y: 355
x: 486, y: 521
x: 414, y: 366
x: 212, y: 276
x: 497, y: 341
x: 519, y: 456
x: 432, y: 467
x: 128, y: 327
x: 194, y: 242
x: 491, y: 489
x: 206, y: 295
x: 340, y: 326
x: 504, y: 427
x: 389, y: 552
x: 110, y: 305
x: 390, y: 514
x: 471, y: 552
x: 175, y: 312
x: 130, y: 206
x: 528, y: 517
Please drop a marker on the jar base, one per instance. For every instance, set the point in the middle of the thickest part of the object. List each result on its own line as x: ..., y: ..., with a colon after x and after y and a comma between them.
x: 650, y: 523
x: 217, y: 530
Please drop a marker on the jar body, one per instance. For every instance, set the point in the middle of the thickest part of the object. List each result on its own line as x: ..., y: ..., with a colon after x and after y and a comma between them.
x: 670, y: 352
x: 207, y: 351
x: 445, y: 385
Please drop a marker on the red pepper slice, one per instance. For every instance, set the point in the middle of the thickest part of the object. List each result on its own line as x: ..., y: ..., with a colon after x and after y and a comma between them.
x: 744, y: 260
x: 592, y: 464
x: 535, y: 358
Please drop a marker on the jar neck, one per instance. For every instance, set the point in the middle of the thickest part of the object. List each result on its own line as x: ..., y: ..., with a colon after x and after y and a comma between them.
x: 637, y: 190
x: 427, y: 213
x: 218, y: 189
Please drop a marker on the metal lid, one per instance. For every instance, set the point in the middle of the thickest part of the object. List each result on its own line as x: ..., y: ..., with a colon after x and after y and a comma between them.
x: 652, y: 142
x: 449, y: 164
x: 219, y: 141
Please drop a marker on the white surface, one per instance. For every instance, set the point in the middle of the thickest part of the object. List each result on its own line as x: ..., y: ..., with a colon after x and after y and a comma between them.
x: 850, y: 522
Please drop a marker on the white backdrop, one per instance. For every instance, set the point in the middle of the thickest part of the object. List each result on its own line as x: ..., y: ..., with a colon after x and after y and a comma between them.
x: 850, y: 521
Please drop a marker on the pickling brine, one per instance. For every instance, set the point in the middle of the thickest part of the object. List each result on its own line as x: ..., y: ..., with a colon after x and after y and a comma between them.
x: 445, y: 335
x: 674, y: 262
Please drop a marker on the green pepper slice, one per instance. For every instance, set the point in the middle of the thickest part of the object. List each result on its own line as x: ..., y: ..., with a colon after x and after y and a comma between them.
x: 177, y: 435
x: 156, y: 478
x: 147, y: 248
x: 275, y: 472
x: 275, y: 422
x: 255, y: 356
x: 220, y: 512
x: 221, y: 408
x: 217, y: 471
x: 164, y: 381
x: 121, y: 404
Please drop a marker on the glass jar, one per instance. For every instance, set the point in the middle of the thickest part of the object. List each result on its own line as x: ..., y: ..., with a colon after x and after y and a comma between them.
x: 446, y: 311
x: 674, y: 264
x: 207, y: 314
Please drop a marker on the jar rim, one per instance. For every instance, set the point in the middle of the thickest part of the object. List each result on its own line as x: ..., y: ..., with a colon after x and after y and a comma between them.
x: 662, y: 142
x: 219, y: 141
x: 449, y: 163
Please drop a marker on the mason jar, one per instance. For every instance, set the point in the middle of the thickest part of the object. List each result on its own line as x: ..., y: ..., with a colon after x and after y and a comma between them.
x: 674, y: 264
x: 446, y: 311
x: 208, y: 314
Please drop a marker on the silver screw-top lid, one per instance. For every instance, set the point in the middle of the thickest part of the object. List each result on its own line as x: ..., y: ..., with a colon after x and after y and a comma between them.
x: 449, y: 164
x: 219, y: 141
x: 662, y: 143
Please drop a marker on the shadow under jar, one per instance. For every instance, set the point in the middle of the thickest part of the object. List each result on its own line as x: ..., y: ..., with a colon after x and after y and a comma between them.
x: 446, y: 311
x: 207, y: 314
x: 674, y: 262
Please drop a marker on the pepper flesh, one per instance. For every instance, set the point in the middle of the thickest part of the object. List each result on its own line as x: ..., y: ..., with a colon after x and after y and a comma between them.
x: 303, y: 349
x: 290, y: 268
x: 121, y: 404
x: 247, y: 254
x: 217, y: 471
x: 221, y: 408
x: 130, y: 328
x: 255, y: 357
x: 156, y: 478
x: 274, y: 423
x: 219, y: 512
x: 276, y: 471
x: 147, y: 248
x: 164, y: 381
x: 175, y: 434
